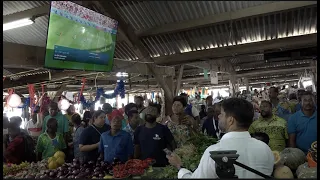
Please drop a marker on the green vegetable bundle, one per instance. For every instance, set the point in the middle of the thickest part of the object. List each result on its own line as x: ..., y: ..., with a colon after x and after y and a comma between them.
x: 190, y: 154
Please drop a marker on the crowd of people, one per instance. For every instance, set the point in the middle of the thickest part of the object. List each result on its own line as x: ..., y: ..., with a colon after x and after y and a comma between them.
x: 85, y: 13
x: 138, y: 132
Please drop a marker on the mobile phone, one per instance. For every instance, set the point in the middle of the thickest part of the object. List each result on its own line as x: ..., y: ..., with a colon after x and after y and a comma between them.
x: 167, y: 151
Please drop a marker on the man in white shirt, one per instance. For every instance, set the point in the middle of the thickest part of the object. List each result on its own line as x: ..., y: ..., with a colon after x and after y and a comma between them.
x: 235, y: 119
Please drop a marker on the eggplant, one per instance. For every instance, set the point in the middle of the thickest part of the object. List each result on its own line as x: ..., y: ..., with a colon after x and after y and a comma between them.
x: 60, y: 173
x: 76, y: 165
x: 96, y: 174
x: 69, y: 168
x: 83, y: 174
x: 88, y: 170
x: 101, y: 175
x: 75, y: 172
x: 71, y: 177
x: 43, y: 177
x: 52, y: 174
x: 62, y: 177
x: 30, y: 176
x: 97, y: 169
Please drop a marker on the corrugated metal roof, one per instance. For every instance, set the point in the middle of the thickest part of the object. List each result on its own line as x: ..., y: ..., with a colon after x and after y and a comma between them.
x: 34, y: 34
x: 264, y: 27
x: 10, y: 7
x: 147, y: 14
x: 271, y: 65
x: 123, y: 51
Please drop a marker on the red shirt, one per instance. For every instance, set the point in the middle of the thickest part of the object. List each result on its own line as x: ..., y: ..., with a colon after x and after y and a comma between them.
x: 15, y: 150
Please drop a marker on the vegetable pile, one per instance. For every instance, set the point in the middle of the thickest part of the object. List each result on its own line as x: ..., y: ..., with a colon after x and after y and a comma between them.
x: 190, y: 154
x: 76, y: 170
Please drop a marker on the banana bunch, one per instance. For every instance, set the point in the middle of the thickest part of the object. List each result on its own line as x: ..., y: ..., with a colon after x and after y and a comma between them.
x: 14, y: 168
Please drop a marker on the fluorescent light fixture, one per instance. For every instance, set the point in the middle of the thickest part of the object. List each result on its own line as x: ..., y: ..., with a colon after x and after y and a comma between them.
x: 122, y: 74
x: 18, y: 23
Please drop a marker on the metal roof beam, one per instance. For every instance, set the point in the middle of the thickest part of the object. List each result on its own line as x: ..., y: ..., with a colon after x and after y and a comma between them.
x: 31, y: 13
x: 231, y: 51
x: 31, y: 57
x: 217, y: 18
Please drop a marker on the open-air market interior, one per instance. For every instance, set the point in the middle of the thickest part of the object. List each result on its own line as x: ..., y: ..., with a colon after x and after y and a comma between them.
x: 159, y: 89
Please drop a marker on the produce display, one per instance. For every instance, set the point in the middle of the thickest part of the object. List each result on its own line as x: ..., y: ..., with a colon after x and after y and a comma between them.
x: 277, y: 158
x: 306, y: 172
x: 288, y: 164
x: 56, y: 160
x: 293, y: 157
x: 190, y: 154
x: 313, y: 151
x: 52, y: 168
x: 24, y: 170
x: 283, y: 172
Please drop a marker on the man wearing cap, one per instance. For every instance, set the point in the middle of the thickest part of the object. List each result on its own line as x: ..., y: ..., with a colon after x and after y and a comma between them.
x: 151, y: 138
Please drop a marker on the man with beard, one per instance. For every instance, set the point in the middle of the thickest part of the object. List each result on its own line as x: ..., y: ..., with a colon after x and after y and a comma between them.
x: 278, y: 108
x: 274, y: 126
x: 302, y: 125
x: 235, y: 119
x: 151, y: 138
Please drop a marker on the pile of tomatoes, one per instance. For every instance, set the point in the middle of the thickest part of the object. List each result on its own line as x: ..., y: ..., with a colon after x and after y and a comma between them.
x: 134, y: 167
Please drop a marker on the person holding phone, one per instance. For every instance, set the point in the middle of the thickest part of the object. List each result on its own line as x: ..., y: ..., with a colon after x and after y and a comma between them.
x: 235, y: 119
x: 151, y: 138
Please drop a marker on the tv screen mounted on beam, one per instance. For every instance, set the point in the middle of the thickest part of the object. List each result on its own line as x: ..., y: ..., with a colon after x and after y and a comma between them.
x: 79, y: 38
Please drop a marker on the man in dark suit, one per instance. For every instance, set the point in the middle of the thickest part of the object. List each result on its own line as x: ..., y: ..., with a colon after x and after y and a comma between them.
x: 210, y: 125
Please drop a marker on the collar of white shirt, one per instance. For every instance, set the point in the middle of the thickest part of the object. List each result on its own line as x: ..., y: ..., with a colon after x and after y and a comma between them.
x: 236, y: 135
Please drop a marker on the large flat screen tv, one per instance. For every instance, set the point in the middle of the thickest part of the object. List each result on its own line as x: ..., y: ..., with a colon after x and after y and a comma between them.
x: 79, y: 38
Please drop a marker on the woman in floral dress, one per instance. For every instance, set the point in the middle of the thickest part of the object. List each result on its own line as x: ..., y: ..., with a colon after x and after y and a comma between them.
x: 180, y: 124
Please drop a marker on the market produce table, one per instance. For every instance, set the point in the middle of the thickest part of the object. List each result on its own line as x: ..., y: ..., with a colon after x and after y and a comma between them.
x: 155, y: 173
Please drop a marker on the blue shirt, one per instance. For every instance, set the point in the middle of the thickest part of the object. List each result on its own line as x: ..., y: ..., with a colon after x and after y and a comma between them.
x: 305, y: 129
x: 298, y: 107
x: 107, y: 121
x: 282, y: 112
x: 119, y: 146
x: 129, y: 130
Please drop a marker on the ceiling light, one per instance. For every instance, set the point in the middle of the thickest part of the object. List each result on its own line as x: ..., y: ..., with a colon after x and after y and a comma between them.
x: 18, y: 23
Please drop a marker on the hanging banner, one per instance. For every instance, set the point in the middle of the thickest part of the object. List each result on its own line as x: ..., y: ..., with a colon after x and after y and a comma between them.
x: 213, y: 77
